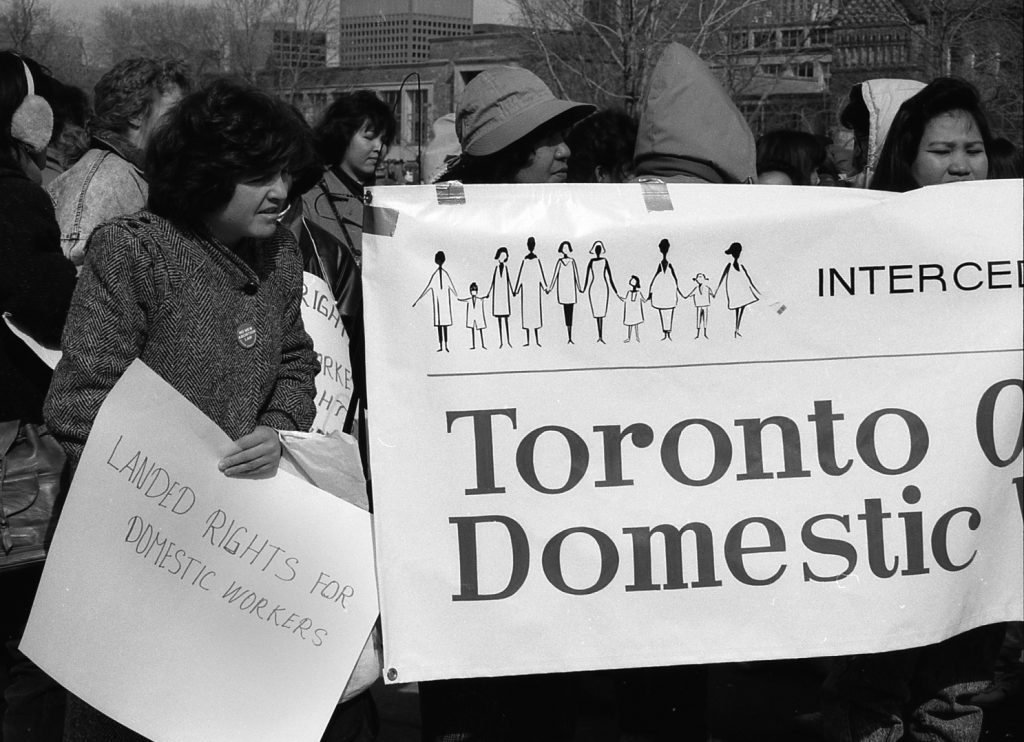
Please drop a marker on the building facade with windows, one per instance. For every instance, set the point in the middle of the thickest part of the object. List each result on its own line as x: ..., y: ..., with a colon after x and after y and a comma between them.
x: 398, y: 31
x: 776, y: 62
x: 294, y: 48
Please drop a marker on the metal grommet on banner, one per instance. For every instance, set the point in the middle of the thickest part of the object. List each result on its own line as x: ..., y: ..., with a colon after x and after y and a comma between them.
x: 450, y: 193
x: 392, y: 674
x: 655, y: 193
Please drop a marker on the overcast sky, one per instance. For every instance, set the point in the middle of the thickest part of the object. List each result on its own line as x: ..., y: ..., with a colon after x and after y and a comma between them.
x: 484, y: 11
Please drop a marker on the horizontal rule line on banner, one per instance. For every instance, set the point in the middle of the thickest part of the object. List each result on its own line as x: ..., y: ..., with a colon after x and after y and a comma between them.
x: 723, y: 363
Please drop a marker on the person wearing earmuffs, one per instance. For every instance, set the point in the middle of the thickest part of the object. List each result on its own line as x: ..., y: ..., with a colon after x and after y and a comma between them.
x: 36, y: 283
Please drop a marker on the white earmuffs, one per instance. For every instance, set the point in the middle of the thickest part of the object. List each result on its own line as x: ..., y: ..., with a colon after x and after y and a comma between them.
x: 32, y: 122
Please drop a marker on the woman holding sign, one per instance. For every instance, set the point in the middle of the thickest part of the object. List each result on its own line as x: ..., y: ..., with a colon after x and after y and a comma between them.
x: 940, y: 135
x: 205, y: 287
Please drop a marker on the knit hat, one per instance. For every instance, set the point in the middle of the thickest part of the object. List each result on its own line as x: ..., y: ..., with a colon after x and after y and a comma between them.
x: 502, y: 105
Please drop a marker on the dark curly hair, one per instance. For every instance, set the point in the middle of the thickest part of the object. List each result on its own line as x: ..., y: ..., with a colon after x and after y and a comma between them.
x: 346, y: 116
x: 797, y: 153
x: 125, y: 93
x: 605, y: 140
x: 942, y: 95
x: 217, y: 137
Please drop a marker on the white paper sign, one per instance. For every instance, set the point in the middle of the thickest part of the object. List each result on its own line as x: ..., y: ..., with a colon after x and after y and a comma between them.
x: 330, y: 341
x: 762, y: 423
x: 188, y: 605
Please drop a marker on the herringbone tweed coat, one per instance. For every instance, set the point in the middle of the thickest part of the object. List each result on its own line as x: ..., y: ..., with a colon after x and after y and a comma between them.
x: 188, y: 307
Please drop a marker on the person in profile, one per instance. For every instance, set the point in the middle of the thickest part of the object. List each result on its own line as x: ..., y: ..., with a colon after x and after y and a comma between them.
x: 664, y: 291
x: 633, y: 309
x: 441, y: 287
x: 566, y: 283
x: 597, y: 284
x: 501, y: 295
x: 475, y: 319
x: 702, y: 296
x: 530, y: 285
x: 740, y: 290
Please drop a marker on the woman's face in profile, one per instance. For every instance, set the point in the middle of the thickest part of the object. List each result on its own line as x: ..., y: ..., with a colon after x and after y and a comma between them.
x: 951, y: 149
x: 252, y: 211
x: 549, y: 162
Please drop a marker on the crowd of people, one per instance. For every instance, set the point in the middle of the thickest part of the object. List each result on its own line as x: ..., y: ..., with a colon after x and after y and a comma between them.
x: 175, y: 225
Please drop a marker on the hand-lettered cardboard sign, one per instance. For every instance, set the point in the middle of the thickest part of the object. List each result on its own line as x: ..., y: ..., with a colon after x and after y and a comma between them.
x: 188, y: 605
x: 636, y: 425
x: 330, y: 341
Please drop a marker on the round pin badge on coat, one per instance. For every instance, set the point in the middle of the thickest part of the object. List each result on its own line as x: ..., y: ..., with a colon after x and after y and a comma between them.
x: 246, y: 335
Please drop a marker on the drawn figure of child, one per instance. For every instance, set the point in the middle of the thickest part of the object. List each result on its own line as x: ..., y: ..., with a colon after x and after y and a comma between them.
x: 633, y: 309
x: 702, y: 296
x: 475, y: 319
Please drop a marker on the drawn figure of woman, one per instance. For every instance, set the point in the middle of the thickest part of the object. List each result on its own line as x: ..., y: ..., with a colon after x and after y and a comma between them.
x: 739, y: 289
x: 633, y: 309
x: 566, y: 283
x: 702, y: 296
x: 597, y: 284
x: 530, y: 283
x: 664, y: 292
x: 442, y: 288
x: 475, y: 319
x: 501, y: 294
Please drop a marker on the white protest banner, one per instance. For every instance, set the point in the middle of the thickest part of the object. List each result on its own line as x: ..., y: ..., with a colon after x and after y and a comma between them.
x: 188, y: 605
x: 322, y: 319
x: 730, y: 423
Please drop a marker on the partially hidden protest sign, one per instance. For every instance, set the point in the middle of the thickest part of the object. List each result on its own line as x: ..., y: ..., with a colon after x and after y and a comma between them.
x: 639, y: 425
x: 322, y: 319
x: 49, y: 356
x: 189, y: 605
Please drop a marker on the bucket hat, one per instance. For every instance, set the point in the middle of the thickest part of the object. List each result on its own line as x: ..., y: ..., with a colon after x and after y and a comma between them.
x: 502, y: 105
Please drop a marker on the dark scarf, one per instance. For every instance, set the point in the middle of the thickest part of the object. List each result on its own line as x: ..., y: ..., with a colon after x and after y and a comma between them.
x: 353, y: 185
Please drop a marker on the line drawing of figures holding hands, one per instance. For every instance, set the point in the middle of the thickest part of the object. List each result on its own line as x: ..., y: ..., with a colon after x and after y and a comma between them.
x: 501, y: 294
x: 664, y: 291
x: 702, y: 296
x: 597, y: 284
x: 633, y: 309
x: 566, y: 283
x: 475, y: 319
x: 442, y: 288
x: 531, y: 285
x: 740, y: 290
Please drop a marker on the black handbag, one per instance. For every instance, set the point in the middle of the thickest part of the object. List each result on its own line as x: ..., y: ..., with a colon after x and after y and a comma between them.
x: 31, y: 492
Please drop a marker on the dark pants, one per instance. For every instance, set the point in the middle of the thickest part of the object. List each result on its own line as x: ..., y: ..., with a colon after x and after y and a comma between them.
x: 32, y: 707
x: 353, y: 721
x: 663, y: 703
x: 540, y: 708
x: 922, y: 693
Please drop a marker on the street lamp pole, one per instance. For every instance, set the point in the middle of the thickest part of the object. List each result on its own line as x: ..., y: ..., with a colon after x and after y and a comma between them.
x: 419, y: 119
